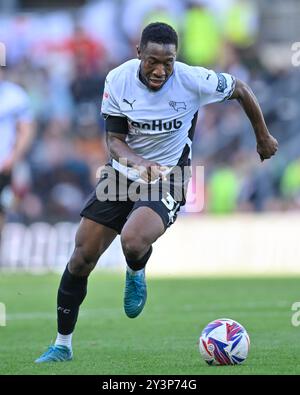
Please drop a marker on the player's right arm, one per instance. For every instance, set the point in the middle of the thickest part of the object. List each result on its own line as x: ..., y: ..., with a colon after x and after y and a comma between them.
x: 120, y: 151
x: 117, y: 129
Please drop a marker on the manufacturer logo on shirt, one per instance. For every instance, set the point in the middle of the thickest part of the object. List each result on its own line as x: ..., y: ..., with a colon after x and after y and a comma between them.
x: 128, y: 102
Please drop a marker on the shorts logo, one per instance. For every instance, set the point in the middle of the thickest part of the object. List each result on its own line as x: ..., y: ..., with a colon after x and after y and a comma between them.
x: 222, y: 83
x: 178, y: 105
x: 172, y: 206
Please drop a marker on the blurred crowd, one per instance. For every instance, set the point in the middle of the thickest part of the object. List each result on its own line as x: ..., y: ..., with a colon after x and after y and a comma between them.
x: 61, y: 58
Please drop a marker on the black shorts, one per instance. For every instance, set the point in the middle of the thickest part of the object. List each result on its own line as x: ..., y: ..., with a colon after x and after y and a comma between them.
x: 116, y: 197
x: 5, y: 179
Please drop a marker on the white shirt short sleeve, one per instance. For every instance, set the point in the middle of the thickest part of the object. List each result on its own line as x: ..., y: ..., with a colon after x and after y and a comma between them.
x: 110, y: 104
x: 214, y: 87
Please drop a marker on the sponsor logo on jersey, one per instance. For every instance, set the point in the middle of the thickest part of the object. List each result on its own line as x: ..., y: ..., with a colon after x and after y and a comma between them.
x: 156, y: 124
x: 178, y: 105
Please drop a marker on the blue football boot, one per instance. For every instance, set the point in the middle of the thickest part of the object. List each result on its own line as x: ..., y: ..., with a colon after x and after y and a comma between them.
x: 56, y: 354
x: 135, y: 293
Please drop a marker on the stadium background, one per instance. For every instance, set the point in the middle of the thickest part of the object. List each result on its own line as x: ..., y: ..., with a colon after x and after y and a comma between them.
x: 61, y: 56
x: 247, y: 229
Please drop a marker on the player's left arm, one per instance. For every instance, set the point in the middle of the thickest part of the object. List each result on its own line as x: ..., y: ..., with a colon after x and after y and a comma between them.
x: 267, y: 145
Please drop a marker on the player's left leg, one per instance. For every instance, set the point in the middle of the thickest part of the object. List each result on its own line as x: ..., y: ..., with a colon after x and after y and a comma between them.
x: 147, y: 221
x: 141, y: 230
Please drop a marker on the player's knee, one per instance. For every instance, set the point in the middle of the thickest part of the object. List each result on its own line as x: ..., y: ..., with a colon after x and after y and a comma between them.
x: 81, y: 262
x: 134, y: 245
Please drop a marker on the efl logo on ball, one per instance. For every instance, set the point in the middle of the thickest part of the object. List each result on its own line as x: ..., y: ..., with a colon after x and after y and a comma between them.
x: 224, y: 342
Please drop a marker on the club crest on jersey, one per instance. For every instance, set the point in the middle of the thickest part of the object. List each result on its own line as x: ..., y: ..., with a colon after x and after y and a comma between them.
x: 178, y: 105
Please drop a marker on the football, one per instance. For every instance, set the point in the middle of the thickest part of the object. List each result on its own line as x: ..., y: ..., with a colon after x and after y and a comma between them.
x: 224, y: 342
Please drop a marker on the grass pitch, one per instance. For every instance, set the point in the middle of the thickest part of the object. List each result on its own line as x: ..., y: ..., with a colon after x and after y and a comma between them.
x: 163, y: 340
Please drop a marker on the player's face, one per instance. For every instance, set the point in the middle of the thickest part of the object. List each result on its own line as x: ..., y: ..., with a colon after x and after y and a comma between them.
x: 157, y: 63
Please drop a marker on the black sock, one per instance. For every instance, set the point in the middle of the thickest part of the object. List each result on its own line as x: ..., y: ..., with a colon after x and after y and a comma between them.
x: 141, y: 263
x: 71, y: 293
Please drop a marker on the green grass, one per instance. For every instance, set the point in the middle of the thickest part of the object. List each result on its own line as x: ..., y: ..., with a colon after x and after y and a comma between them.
x: 163, y: 340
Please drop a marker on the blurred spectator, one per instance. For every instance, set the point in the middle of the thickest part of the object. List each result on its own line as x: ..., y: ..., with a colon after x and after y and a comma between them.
x: 241, y: 23
x: 290, y: 184
x: 103, y: 21
x: 139, y: 13
x: 87, y: 53
x: 161, y: 13
x: 223, y: 189
x: 17, y: 132
x: 201, y: 36
x: 231, y: 62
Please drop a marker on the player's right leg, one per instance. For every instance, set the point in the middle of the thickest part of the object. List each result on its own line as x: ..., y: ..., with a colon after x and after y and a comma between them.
x: 92, y: 239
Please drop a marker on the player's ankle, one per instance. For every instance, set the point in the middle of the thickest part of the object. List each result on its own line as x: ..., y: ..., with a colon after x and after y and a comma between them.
x: 64, y: 340
x: 134, y: 272
x: 134, y: 266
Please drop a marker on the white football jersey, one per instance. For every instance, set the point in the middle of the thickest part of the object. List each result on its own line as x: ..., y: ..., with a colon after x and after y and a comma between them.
x: 161, y: 123
x: 14, y: 107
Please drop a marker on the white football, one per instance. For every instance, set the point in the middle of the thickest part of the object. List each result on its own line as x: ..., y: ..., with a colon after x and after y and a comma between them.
x: 224, y: 342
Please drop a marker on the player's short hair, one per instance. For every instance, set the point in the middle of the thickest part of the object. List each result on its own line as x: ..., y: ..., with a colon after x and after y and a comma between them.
x: 160, y: 33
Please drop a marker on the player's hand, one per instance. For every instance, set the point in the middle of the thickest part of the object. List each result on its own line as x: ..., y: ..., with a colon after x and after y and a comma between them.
x: 151, y: 171
x: 267, y: 147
